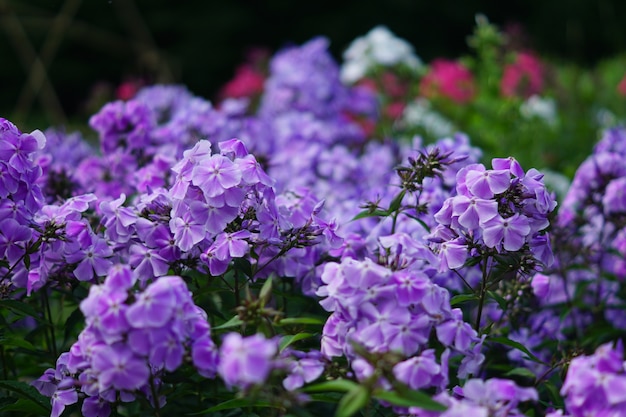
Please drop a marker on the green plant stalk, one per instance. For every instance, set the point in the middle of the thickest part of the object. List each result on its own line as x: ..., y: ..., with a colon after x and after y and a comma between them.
x: 481, y: 295
x: 48, y: 313
x: 155, y: 397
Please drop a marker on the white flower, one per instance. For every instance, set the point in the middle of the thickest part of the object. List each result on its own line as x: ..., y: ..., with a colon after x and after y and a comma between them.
x: 379, y: 47
x: 419, y: 114
x: 543, y: 108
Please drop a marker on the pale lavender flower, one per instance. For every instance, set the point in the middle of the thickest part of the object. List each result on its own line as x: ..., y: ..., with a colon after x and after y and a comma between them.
x: 246, y: 361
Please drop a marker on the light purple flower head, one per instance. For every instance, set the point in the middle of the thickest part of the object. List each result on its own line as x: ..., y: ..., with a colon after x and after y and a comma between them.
x: 246, y: 361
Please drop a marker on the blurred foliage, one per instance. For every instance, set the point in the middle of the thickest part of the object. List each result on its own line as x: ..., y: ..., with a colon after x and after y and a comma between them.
x: 93, y: 46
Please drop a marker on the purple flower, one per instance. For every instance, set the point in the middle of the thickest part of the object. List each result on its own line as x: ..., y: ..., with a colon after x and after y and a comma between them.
x: 119, y: 368
x: 16, y: 150
x: 187, y: 232
x: 304, y: 370
x: 147, y: 262
x: 246, y: 361
x: 452, y: 255
x: 419, y: 372
x: 154, y: 307
x: 486, y: 183
x: 92, y: 260
x: 231, y: 245
x: 62, y: 398
x: 512, y: 231
x: 205, y: 356
x: 473, y: 211
x: 215, y: 175
x: 13, y: 238
x: 95, y: 407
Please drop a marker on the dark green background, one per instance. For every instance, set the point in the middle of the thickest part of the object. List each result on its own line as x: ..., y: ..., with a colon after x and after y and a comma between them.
x: 199, y: 43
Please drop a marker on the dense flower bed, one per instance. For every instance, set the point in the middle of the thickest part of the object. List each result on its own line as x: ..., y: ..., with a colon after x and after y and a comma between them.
x: 298, y: 249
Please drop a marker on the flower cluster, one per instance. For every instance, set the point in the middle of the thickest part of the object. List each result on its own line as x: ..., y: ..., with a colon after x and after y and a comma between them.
x: 596, y: 384
x: 379, y: 47
x: 490, y: 398
x: 495, y: 211
x: 387, y: 311
x: 449, y: 79
x: 20, y: 199
x: 386, y: 240
x: 129, y: 341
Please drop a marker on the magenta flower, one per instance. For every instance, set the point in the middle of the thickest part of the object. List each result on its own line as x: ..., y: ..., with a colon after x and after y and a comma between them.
x: 524, y: 77
x: 449, y: 79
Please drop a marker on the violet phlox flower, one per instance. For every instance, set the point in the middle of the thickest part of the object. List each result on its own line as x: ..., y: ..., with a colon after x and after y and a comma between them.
x: 504, y: 209
x: 304, y: 78
x: 133, y: 337
x: 19, y: 175
x: 123, y: 125
x: 302, y: 367
x: 117, y: 219
x: 424, y: 370
x: 385, y: 310
x: 210, y: 189
x: 482, y: 398
x: 246, y: 361
x: 596, y: 384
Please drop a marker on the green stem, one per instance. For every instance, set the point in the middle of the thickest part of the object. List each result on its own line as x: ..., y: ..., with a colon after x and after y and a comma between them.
x: 155, y: 397
x: 5, y: 373
x: 46, y: 303
x: 237, y: 300
x: 483, y: 292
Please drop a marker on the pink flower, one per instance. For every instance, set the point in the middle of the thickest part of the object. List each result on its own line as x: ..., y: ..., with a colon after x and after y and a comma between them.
x: 449, y: 79
x: 621, y: 87
x: 523, y: 77
x: 247, y: 82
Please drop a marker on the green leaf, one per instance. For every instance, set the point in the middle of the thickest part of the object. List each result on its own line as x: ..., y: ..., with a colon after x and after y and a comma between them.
x: 292, y: 338
x: 368, y: 213
x: 332, y: 398
x: 300, y: 320
x: 17, y: 342
x: 21, y: 308
x: 266, y: 291
x: 235, y: 403
x: 29, y: 393
x: 353, y: 401
x: 524, y: 372
x: 74, y: 319
x: 409, y: 398
x: 516, y: 345
x: 338, y: 385
x: 396, y: 202
x: 498, y: 298
x: 233, y: 322
x: 461, y: 298
x: 25, y: 406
